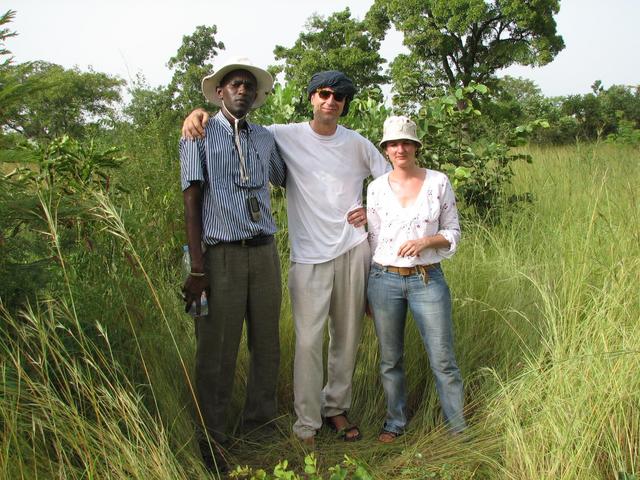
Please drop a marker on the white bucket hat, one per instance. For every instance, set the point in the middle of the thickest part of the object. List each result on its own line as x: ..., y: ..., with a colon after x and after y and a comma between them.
x: 212, y: 81
x: 399, y: 128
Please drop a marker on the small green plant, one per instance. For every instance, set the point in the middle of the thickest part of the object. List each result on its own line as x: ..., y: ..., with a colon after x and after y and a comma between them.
x: 627, y: 476
x: 627, y: 133
x: 349, y: 469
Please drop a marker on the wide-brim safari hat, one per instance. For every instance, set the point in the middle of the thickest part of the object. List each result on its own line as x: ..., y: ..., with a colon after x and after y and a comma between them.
x: 399, y: 128
x: 212, y: 81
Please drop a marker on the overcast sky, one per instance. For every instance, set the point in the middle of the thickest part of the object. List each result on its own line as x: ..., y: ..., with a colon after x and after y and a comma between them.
x: 126, y: 37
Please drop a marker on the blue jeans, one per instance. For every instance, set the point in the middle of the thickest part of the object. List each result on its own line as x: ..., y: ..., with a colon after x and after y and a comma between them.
x: 389, y: 295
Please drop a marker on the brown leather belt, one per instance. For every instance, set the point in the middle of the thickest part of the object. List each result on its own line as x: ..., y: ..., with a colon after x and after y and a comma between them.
x: 406, y: 271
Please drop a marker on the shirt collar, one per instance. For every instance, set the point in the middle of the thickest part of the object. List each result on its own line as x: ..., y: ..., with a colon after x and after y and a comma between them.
x: 222, y: 120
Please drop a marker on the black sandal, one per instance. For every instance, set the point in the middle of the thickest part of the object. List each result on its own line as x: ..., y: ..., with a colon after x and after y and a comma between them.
x: 343, y: 432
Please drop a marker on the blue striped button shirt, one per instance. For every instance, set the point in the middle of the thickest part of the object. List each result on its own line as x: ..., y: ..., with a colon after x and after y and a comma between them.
x: 214, y: 161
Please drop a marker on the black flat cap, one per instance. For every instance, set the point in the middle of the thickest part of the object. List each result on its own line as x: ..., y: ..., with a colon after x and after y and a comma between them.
x: 336, y: 80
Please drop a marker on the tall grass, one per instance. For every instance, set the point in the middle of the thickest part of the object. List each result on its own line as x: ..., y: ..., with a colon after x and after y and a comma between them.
x: 68, y: 407
x: 573, y: 409
x: 96, y: 380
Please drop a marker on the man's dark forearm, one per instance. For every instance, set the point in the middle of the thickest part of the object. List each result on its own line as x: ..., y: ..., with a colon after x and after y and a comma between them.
x: 193, y: 221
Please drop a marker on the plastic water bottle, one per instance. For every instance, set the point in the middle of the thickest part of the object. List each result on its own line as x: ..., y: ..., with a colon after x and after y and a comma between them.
x: 186, y: 267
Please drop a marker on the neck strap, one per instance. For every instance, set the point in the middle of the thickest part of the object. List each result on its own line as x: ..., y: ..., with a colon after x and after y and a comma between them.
x: 236, y: 121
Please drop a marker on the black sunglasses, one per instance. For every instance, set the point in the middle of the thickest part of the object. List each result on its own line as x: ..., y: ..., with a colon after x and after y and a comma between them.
x: 326, y: 94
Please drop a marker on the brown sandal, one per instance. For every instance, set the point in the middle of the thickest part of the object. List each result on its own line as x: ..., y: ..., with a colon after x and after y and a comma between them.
x: 349, y: 432
x: 387, y: 436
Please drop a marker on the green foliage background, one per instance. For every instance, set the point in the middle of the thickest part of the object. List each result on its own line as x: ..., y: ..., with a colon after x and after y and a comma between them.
x: 96, y: 352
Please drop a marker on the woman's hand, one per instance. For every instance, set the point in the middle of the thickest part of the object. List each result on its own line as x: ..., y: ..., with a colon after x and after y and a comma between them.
x: 411, y: 248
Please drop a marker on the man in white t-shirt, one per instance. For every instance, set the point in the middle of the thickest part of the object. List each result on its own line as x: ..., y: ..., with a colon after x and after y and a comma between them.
x: 330, y: 257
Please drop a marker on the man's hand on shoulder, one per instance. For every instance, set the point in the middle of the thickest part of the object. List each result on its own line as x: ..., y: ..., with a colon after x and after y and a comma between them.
x: 193, y: 125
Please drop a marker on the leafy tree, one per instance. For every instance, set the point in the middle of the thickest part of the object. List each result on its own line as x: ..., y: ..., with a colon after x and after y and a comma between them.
x: 57, y: 102
x: 283, y: 106
x: 4, y: 34
x: 479, y: 170
x: 587, y: 110
x: 510, y: 103
x: 63, y: 173
x: 147, y: 104
x: 453, y: 43
x: 338, y: 42
x: 150, y: 133
x: 68, y: 166
x: 522, y: 98
x: 11, y: 90
x: 623, y: 101
x: 599, y: 113
x: 366, y: 116
x: 191, y: 63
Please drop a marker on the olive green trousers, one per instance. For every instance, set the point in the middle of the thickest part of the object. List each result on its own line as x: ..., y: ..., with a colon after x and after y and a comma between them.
x: 245, y: 286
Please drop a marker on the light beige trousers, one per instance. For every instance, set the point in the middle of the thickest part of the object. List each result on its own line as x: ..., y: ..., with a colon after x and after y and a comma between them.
x: 334, y: 290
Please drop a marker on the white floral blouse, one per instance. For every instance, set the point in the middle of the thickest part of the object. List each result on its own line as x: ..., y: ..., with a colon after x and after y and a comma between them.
x: 390, y: 224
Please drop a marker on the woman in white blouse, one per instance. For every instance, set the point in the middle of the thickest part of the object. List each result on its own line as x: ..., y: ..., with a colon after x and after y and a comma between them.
x: 413, y: 225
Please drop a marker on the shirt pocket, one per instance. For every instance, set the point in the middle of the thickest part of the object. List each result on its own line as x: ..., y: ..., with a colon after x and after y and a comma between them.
x: 257, y: 165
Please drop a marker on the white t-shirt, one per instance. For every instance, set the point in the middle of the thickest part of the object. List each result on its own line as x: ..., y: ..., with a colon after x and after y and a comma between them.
x: 390, y: 224
x: 325, y: 175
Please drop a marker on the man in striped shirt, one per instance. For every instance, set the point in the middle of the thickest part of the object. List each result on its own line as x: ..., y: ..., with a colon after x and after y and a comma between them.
x: 225, y: 181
